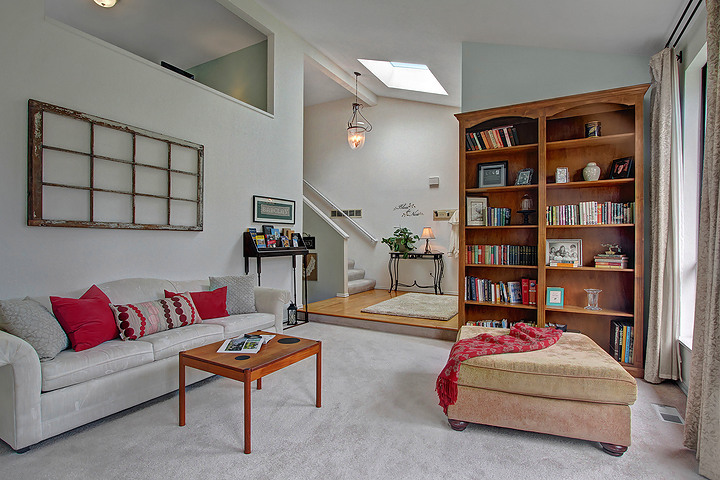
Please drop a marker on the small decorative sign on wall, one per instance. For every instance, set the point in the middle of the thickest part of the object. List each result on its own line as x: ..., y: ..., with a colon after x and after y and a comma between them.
x: 408, y: 210
x: 267, y: 209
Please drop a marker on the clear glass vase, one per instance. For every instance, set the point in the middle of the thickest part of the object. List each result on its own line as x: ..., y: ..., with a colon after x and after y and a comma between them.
x: 593, y: 297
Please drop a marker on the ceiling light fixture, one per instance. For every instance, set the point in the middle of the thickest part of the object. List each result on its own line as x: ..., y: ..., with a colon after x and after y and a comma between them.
x: 106, y: 3
x: 356, y: 127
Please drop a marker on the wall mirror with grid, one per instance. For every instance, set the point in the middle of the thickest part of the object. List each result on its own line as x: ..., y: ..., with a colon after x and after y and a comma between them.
x: 87, y: 171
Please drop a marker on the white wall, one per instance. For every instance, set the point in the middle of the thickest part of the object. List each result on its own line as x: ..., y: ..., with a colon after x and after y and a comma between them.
x: 410, y: 142
x: 330, y: 249
x: 246, y: 153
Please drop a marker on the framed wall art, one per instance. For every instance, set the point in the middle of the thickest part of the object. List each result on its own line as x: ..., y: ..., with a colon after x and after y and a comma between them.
x: 270, y: 209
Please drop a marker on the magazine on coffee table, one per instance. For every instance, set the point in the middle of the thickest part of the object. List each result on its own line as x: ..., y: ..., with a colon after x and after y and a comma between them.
x: 244, y: 344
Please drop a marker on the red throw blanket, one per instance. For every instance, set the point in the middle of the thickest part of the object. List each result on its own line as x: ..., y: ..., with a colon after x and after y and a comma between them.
x: 521, y: 339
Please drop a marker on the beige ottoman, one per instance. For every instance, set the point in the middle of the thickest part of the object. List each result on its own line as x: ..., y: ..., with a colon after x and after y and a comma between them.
x: 572, y: 389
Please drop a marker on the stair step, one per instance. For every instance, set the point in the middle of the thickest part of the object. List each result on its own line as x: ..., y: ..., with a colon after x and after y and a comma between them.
x: 357, y: 286
x: 355, y: 274
x: 351, y: 264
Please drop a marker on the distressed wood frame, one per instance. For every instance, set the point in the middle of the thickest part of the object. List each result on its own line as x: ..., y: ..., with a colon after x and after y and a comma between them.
x: 36, y: 147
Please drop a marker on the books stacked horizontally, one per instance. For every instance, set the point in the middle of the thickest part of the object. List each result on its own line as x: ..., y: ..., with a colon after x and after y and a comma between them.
x: 498, y: 323
x: 591, y: 213
x: 615, y: 260
x: 622, y: 334
x: 494, y: 138
x: 498, y: 216
x: 523, y: 292
x: 502, y: 254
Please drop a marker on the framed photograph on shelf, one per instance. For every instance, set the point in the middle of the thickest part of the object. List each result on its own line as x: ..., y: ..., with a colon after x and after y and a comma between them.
x: 621, y: 167
x: 476, y: 211
x: 561, y: 175
x: 555, y: 297
x: 524, y: 176
x: 278, y: 210
x: 563, y: 252
x: 492, y: 174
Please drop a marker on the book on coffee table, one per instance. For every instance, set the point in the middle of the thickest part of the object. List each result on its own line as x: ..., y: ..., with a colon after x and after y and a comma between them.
x: 244, y: 344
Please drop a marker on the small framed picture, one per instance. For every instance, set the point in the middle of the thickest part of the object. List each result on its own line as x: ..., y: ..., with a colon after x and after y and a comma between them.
x: 563, y: 251
x: 273, y: 209
x: 555, y: 297
x: 476, y: 211
x: 492, y: 174
x: 524, y: 176
x: 621, y: 167
x: 561, y: 175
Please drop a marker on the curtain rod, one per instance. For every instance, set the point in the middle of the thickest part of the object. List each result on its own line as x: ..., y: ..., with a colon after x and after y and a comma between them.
x: 687, y: 7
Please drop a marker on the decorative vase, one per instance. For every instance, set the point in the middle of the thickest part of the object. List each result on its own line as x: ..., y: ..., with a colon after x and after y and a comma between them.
x: 591, y: 172
x: 593, y: 297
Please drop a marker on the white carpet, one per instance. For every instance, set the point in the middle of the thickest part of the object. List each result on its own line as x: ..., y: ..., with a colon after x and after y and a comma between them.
x: 417, y: 305
x: 379, y: 420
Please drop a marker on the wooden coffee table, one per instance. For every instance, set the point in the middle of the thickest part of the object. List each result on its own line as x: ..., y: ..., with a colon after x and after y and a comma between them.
x: 281, y: 351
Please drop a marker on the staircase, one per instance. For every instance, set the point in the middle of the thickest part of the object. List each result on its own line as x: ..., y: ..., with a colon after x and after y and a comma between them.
x: 356, y: 279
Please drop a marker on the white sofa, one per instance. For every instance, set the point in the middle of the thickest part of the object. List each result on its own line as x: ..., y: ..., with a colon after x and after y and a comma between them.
x: 39, y: 400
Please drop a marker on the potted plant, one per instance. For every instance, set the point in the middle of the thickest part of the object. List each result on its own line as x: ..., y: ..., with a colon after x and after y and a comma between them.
x: 402, y: 241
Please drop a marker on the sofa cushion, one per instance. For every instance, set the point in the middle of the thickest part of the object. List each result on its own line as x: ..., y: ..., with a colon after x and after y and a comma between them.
x: 170, y: 342
x: 70, y: 367
x: 27, y: 319
x: 235, y: 325
x: 136, y: 320
x: 240, y: 293
x: 575, y: 368
x: 88, y: 320
x: 209, y: 304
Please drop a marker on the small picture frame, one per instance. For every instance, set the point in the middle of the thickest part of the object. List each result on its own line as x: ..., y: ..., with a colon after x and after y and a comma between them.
x: 492, y: 174
x: 561, y: 175
x: 564, y: 251
x: 278, y: 210
x: 476, y: 211
x: 621, y: 168
x: 555, y: 297
x: 524, y: 176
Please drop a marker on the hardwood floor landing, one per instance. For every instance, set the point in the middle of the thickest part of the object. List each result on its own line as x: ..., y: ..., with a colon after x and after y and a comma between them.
x: 350, y: 307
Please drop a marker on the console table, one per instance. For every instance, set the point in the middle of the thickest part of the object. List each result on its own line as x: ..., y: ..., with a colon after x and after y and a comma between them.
x: 394, y: 266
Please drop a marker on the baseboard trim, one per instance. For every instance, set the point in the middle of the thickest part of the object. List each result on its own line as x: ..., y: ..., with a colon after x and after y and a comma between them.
x: 342, y: 295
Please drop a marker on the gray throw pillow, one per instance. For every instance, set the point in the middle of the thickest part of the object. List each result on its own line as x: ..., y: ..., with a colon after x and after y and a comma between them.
x: 33, y: 323
x: 240, y: 292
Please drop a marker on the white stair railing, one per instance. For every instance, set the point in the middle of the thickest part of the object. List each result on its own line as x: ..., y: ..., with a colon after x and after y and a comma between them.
x: 335, y: 207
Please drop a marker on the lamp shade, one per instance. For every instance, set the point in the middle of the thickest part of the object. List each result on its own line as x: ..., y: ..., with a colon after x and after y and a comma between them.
x: 106, y: 3
x: 356, y: 137
x: 427, y: 233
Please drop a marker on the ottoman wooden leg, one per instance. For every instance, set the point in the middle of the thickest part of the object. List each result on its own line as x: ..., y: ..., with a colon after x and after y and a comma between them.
x: 458, y: 425
x: 614, y: 450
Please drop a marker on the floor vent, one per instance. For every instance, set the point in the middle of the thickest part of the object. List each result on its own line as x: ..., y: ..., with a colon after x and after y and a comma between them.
x: 668, y: 414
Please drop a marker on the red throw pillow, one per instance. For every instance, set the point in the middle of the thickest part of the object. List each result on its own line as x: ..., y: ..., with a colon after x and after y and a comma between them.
x: 88, y: 320
x: 212, y: 304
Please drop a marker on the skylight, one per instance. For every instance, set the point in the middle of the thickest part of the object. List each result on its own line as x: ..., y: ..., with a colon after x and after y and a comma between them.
x: 405, y: 76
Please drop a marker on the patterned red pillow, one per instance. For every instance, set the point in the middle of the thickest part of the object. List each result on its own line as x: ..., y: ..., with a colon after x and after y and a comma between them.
x: 136, y: 320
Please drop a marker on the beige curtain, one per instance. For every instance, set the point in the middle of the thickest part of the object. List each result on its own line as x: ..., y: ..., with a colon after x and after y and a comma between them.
x: 661, y: 358
x: 702, y: 428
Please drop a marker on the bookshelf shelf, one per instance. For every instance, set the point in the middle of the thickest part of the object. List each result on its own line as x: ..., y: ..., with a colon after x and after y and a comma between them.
x: 552, y: 135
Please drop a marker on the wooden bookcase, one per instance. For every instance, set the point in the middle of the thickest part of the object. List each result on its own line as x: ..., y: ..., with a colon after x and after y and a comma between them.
x: 551, y: 134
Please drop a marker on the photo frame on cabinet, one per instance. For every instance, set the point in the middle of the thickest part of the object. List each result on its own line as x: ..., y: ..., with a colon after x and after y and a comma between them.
x: 476, y: 211
x: 524, y: 176
x: 555, y: 297
x: 269, y: 209
x: 621, y: 168
x: 561, y: 175
x: 567, y: 252
x: 493, y: 174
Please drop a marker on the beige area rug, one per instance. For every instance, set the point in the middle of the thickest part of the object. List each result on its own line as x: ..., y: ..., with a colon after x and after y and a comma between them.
x: 417, y: 305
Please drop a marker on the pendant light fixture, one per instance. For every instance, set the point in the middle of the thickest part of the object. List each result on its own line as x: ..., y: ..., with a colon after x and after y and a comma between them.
x: 106, y: 3
x: 358, y: 125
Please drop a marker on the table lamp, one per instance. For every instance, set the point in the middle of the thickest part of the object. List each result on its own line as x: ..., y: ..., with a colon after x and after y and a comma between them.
x: 427, y: 234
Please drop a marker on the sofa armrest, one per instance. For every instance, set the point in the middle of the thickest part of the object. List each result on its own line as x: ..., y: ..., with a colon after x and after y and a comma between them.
x: 272, y: 300
x: 20, y: 384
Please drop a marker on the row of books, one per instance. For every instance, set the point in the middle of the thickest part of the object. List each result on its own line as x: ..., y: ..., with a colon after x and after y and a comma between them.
x: 591, y: 213
x: 499, y: 323
x: 502, y: 254
x: 483, y: 290
x: 274, y: 238
x: 494, y: 138
x: 611, y: 261
x: 498, y: 216
x: 622, y: 335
